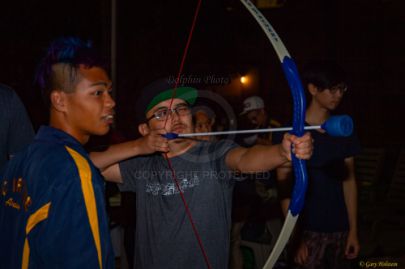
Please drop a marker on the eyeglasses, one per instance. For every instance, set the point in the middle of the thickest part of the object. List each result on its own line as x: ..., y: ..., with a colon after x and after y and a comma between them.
x: 162, y: 114
x: 342, y: 88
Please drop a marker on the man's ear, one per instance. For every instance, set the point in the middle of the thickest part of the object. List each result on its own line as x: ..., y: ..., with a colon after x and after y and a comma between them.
x: 312, y: 89
x: 143, y: 129
x: 58, y: 100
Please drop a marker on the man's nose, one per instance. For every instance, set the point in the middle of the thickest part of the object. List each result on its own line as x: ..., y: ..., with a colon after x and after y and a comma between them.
x: 173, y: 114
x: 109, y: 101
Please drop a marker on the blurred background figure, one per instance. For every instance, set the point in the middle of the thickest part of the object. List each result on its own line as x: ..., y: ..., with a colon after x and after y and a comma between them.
x: 16, y: 129
x: 255, y: 116
x: 204, y: 120
x: 256, y: 213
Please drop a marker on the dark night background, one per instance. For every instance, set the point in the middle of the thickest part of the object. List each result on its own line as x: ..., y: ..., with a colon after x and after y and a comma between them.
x: 366, y: 37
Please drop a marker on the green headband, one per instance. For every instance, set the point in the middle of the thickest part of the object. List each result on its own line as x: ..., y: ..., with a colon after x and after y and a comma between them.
x: 187, y: 94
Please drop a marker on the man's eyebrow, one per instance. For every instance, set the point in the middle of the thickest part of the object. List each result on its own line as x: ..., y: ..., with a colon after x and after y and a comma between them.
x: 101, y: 83
x: 159, y: 108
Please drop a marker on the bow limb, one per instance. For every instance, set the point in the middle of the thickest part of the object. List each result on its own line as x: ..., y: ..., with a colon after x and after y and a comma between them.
x: 297, y: 91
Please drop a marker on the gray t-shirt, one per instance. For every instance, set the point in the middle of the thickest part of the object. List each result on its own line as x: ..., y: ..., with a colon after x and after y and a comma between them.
x: 164, y: 235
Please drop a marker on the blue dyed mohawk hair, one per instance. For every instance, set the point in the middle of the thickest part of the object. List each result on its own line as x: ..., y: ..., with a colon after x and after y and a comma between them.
x: 72, y: 52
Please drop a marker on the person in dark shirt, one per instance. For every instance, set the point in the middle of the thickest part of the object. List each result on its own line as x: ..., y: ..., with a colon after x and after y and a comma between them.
x: 329, y: 217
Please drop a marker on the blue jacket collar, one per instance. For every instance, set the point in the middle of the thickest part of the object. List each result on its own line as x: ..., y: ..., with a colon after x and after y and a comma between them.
x: 50, y: 134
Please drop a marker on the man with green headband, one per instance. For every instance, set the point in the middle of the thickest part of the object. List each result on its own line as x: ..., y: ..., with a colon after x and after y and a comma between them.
x: 151, y: 165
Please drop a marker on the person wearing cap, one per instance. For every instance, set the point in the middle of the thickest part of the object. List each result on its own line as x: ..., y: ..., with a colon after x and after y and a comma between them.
x: 257, y: 116
x: 255, y: 197
x: 329, y: 218
x: 151, y: 164
x: 52, y: 208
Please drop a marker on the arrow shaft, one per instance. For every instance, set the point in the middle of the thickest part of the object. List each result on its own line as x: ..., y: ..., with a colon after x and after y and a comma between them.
x: 253, y: 131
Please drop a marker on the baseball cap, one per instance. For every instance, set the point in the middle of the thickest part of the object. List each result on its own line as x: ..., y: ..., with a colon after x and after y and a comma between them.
x: 161, y: 90
x: 252, y: 103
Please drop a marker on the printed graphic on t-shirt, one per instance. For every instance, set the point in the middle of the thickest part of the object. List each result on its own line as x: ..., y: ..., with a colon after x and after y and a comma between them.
x: 170, y: 188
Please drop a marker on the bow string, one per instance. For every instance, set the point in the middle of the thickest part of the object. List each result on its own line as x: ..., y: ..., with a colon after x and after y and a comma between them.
x: 169, y: 163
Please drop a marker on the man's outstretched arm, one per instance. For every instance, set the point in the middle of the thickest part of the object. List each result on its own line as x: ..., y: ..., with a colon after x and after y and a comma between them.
x: 263, y: 158
x: 108, y: 160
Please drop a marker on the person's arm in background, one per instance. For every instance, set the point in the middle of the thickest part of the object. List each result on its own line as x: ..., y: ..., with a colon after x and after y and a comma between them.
x: 19, y: 131
x: 350, y: 196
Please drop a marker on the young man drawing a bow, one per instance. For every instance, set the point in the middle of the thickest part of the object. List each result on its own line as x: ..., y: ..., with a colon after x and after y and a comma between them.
x: 152, y: 164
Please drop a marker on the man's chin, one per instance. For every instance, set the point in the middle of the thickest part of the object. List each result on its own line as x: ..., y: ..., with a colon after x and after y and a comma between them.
x: 179, y: 141
x: 101, y: 131
x: 333, y: 107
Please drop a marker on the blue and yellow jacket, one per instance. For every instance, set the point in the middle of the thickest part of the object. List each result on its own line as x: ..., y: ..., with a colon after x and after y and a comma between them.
x: 52, y: 209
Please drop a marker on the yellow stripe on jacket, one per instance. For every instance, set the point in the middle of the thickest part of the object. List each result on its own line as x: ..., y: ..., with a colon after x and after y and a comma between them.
x: 89, y: 198
x: 35, y: 218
